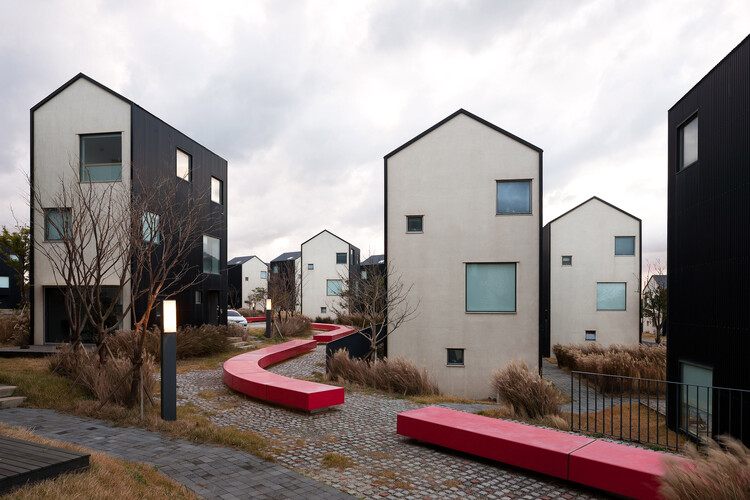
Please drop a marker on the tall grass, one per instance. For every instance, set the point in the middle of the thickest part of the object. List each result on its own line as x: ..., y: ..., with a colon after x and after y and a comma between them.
x: 396, y: 376
x: 527, y: 393
x: 14, y: 328
x: 292, y: 326
x: 192, y: 341
x: 723, y: 472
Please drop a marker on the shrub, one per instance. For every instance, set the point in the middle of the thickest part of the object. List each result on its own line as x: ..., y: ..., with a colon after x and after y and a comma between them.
x: 321, y: 319
x: 637, y: 361
x: 248, y: 313
x: 723, y: 472
x: 15, y: 328
x: 397, y: 376
x: 192, y: 341
x: 292, y: 326
x: 526, y: 392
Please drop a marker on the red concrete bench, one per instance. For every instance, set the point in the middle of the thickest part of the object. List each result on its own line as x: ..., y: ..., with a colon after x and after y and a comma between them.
x: 256, y: 319
x: 615, y: 468
x: 245, y: 373
x: 332, y: 332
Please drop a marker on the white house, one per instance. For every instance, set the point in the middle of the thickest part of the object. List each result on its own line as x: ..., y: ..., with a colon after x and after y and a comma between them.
x: 326, y: 261
x: 463, y: 225
x: 245, y: 275
x: 593, y: 292
x: 654, y: 282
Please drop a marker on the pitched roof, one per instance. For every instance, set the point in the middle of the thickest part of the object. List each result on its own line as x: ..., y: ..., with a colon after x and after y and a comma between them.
x: 327, y: 231
x: 592, y: 199
x: 287, y: 256
x: 373, y: 260
x: 241, y: 260
x: 659, y: 279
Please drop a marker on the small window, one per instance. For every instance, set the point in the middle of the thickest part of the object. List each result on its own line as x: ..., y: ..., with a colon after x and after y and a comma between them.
x: 455, y: 357
x: 414, y: 224
x: 590, y: 334
x: 689, y: 143
x: 513, y: 197
x: 333, y: 287
x: 491, y: 287
x: 323, y: 310
x: 211, y: 254
x: 610, y: 296
x: 275, y: 269
x: 341, y: 258
x: 263, y: 275
x: 567, y: 260
x: 4, y: 282
x: 151, y: 227
x: 198, y: 297
x: 101, y: 158
x: 247, y: 278
x: 57, y: 222
x: 185, y: 166
x: 624, y: 245
x: 217, y: 191
x: 364, y: 274
x: 310, y: 267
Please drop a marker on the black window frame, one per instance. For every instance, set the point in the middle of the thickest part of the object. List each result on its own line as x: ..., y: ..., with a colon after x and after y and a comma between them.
x: 461, y: 362
x: 415, y: 218
x: 338, y: 257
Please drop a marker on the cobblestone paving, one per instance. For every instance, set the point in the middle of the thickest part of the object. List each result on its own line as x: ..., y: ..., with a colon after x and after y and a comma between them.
x: 363, y: 432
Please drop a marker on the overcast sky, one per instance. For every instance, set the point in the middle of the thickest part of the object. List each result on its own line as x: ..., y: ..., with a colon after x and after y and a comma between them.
x: 303, y: 99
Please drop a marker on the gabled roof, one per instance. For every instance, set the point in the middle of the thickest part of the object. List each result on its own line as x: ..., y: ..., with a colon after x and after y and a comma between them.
x: 589, y: 200
x: 287, y: 256
x: 472, y: 116
x: 327, y: 231
x: 659, y: 279
x: 241, y: 260
x: 373, y: 260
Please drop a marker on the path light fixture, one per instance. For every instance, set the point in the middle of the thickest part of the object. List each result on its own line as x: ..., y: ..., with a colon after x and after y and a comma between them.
x: 269, y: 309
x: 169, y: 361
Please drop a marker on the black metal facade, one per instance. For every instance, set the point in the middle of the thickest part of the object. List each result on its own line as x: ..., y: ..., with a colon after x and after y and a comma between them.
x: 9, y: 297
x: 708, y: 230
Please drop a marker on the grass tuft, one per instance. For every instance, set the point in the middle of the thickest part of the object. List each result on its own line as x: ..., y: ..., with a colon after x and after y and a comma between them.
x: 526, y: 392
x: 337, y: 461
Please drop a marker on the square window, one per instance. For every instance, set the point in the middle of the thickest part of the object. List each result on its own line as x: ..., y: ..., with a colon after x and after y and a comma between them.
x: 211, y: 254
x: 513, y: 197
x: 310, y: 267
x: 101, y: 158
x: 567, y: 260
x: 491, y: 287
x: 341, y: 258
x: 150, y: 223
x: 323, y: 310
x: 610, y: 296
x: 455, y: 357
x: 217, y: 191
x: 333, y: 287
x: 184, y: 166
x: 689, y: 143
x: 590, y: 334
x: 4, y: 282
x: 198, y: 297
x: 263, y: 275
x: 414, y: 223
x: 57, y: 222
x: 624, y: 245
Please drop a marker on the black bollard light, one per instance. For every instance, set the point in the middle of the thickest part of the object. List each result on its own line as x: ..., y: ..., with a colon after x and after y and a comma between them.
x: 169, y: 361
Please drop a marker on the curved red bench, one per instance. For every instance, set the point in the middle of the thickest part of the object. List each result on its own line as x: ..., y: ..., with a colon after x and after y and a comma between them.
x: 332, y: 332
x: 257, y: 319
x: 245, y: 373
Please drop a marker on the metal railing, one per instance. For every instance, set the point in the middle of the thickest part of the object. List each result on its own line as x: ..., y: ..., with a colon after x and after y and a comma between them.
x: 655, y: 412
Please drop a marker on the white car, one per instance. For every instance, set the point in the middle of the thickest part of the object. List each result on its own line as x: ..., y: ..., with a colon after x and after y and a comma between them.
x: 235, y: 317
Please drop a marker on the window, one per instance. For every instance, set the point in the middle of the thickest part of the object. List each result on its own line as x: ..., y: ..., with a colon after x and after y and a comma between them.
x: 413, y: 223
x: 323, y: 310
x: 624, y: 245
x: 185, y: 166
x: 610, y: 296
x: 513, y: 197
x: 217, y: 191
x: 455, y: 357
x: 333, y: 287
x: 198, y: 297
x: 57, y: 223
x: 689, y: 143
x: 310, y: 267
x: 211, y: 254
x: 341, y: 258
x: 364, y: 274
x: 696, y: 397
x: 590, y: 334
x: 491, y: 287
x: 101, y: 158
x: 567, y: 260
x: 263, y: 275
x: 247, y: 278
x: 4, y: 282
x: 150, y: 227
x: 276, y: 269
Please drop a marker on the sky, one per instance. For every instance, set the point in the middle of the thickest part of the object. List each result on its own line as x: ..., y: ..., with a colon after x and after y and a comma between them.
x: 304, y: 98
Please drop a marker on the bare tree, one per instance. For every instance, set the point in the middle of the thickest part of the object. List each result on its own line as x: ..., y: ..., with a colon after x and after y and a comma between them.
x: 257, y: 298
x: 381, y: 298
x: 655, y: 297
x: 285, y: 288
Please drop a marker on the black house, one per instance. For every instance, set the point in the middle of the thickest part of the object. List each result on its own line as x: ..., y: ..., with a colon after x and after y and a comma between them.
x: 708, y: 247
x: 10, y: 291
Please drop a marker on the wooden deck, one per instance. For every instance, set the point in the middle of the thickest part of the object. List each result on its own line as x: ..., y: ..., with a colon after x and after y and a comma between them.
x: 23, y: 462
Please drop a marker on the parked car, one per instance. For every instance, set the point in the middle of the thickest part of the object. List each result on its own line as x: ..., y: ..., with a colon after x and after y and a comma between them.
x: 235, y: 317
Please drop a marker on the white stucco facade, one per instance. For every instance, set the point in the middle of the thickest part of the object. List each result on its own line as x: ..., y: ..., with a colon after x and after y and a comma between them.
x: 254, y: 275
x: 587, y: 235
x: 449, y: 175
x: 319, y: 267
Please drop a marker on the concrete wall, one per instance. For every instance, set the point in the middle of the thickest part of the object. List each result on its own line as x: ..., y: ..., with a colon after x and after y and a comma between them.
x: 449, y: 176
x: 587, y: 233
x: 82, y: 108
x: 321, y: 252
x: 251, y: 280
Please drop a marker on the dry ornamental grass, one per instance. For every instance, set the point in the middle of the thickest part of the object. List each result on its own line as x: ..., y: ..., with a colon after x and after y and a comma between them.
x: 528, y: 394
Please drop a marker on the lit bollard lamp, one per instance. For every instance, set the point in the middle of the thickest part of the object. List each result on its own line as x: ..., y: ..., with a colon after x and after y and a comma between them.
x: 269, y: 310
x: 169, y: 361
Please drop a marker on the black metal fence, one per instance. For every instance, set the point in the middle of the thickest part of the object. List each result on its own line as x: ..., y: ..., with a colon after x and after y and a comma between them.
x: 655, y: 412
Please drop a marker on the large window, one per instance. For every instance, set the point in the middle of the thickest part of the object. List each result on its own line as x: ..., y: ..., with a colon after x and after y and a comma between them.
x: 413, y: 223
x: 101, y: 157
x: 696, y: 398
x: 513, y: 197
x: 610, y: 296
x: 151, y: 227
x: 689, y: 143
x: 211, y: 254
x: 4, y: 282
x: 56, y: 223
x: 184, y: 165
x: 624, y: 245
x: 333, y: 287
x: 217, y: 191
x: 341, y: 258
x: 491, y: 287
